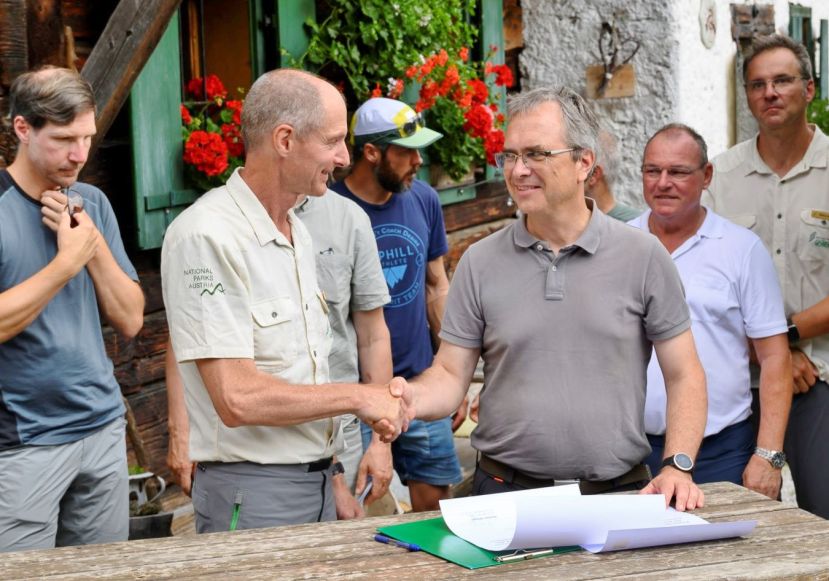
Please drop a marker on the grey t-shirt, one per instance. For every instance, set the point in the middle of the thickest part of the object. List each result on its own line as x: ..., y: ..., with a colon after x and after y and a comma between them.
x: 56, y: 381
x: 566, y: 341
x: 348, y: 271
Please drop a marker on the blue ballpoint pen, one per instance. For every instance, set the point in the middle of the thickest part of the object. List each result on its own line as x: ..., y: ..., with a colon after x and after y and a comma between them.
x: 396, y: 543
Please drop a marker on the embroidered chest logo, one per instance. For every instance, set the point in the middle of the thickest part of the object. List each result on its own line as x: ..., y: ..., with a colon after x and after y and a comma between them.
x: 818, y: 241
x: 201, y: 279
x: 403, y: 257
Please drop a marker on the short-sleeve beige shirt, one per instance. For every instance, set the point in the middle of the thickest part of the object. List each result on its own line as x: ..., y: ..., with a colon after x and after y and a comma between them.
x: 235, y: 287
x: 790, y: 215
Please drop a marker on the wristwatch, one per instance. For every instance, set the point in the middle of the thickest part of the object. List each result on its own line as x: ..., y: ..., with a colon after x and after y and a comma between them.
x: 775, y: 458
x: 337, y: 468
x: 680, y: 461
x: 792, y: 333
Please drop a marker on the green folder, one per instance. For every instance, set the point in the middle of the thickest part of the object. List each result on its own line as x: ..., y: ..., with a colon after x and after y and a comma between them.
x: 434, y: 537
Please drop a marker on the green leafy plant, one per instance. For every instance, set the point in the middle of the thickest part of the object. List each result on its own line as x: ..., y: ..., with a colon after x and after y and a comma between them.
x: 818, y: 113
x: 376, y: 39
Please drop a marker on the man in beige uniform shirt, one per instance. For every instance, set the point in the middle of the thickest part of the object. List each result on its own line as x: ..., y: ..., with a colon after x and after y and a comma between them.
x: 777, y: 184
x: 249, y: 325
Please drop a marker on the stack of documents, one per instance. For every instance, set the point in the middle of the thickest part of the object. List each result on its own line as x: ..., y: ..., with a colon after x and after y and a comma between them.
x: 560, y: 516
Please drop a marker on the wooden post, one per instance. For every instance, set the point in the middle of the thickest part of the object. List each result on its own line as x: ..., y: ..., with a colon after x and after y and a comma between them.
x: 130, y: 36
x: 14, y: 44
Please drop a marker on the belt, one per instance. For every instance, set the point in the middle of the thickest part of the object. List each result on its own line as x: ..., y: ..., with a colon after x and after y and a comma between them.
x: 501, y: 471
x: 316, y: 466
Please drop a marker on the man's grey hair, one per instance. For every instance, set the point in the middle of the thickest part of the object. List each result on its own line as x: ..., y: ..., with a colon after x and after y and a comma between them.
x: 607, y: 156
x: 281, y: 97
x: 50, y: 95
x: 682, y: 128
x: 581, y: 129
x: 762, y: 44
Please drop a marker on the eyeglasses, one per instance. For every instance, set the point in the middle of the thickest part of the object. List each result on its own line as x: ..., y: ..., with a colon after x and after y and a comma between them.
x: 675, y: 173
x: 532, y: 159
x: 779, y: 84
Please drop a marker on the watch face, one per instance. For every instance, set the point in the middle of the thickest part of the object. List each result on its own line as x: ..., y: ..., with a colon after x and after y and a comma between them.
x: 683, y: 462
x: 778, y: 460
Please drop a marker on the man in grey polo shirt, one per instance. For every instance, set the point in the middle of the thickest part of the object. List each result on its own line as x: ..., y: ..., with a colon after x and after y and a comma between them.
x: 564, y: 306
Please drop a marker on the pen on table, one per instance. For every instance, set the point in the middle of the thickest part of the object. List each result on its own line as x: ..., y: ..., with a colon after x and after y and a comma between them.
x: 396, y: 543
x: 524, y: 556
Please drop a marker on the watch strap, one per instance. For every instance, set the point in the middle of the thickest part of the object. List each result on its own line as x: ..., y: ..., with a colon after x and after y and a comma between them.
x: 792, y: 332
x: 337, y: 468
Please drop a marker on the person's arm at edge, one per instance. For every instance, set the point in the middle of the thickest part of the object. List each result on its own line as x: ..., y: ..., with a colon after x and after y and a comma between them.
x: 374, y: 354
x: 687, y: 412
x: 178, y: 424
x: 775, y: 402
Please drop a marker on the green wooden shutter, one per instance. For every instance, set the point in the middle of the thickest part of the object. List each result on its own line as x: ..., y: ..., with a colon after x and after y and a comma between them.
x: 155, y: 120
x: 492, y: 33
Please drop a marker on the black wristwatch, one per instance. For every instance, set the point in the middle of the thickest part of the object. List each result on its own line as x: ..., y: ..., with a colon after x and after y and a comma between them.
x: 680, y: 461
x: 337, y: 468
x: 791, y: 332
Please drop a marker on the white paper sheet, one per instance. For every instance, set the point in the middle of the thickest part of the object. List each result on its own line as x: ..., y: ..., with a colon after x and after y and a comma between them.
x: 560, y: 516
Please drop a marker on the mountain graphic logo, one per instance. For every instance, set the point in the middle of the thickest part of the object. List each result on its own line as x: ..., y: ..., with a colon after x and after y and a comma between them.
x: 394, y: 274
x: 218, y: 288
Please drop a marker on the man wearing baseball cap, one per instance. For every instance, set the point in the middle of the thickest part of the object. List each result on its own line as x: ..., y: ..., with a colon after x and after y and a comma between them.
x: 406, y: 216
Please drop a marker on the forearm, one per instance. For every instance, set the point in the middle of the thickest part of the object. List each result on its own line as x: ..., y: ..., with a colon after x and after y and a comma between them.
x: 373, y: 346
x: 243, y: 395
x: 438, y: 391
x: 687, y: 407
x: 814, y: 321
x: 119, y: 297
x: 20, y: 305
x: 775, y: 390
x: 178, y: 423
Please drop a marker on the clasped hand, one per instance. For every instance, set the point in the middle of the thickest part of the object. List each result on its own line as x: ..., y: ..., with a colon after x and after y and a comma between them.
x: 389, y: 409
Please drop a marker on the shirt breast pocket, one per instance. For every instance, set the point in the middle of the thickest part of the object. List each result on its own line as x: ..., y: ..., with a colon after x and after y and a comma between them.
x: 275, y: 335
x: 813, y: 237
x: 334, y: 277
x: 709, y: 298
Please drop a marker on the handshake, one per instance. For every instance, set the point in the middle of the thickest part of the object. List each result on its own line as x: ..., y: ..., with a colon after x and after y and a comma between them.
x: 388, y: 409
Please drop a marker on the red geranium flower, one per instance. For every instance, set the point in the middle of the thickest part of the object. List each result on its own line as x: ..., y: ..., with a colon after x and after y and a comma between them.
x: 207, y: 152
x: 195, y: 88
x: 185, y: 115
x: 232, y: 137
x: 215, y: 88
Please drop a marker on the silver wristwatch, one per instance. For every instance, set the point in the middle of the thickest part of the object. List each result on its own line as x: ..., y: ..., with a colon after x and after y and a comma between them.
x: 775, y: 458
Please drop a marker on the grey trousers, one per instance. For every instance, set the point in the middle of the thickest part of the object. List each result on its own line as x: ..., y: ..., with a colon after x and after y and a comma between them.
x: 807, y: 446
x: 68, y: 494
x: 260, y: 495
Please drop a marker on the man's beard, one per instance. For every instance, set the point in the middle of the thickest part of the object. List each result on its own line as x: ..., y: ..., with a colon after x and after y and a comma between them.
x: 387, y: 179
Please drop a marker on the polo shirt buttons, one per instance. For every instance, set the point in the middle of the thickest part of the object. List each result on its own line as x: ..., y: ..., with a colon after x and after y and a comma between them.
x: 554, y: 268
x: 779, y: 216
x: 779, y: 251
x: 539, y: 247
x: 273, y: 315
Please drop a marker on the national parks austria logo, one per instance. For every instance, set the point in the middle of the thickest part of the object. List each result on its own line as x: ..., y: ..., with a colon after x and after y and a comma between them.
x: 402, y: 255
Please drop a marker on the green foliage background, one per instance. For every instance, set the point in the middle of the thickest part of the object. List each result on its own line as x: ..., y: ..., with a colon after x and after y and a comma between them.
x: 372, y: 40
x: 818, y: 113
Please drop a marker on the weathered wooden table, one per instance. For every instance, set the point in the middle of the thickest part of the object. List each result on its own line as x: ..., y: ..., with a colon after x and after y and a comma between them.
x: 788, y: 543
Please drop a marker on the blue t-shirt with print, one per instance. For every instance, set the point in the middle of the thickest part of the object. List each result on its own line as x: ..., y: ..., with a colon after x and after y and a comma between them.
x: 410, y: 232
x: 56, y: 381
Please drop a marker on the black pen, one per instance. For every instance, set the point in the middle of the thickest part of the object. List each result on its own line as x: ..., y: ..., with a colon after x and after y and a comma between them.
x: 396, y: 543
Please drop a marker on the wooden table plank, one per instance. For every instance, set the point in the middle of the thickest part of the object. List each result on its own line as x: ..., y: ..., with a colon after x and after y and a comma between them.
x: 788, y: 543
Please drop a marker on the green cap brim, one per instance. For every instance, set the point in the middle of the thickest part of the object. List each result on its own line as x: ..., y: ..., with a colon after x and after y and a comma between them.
x: 422, y: 138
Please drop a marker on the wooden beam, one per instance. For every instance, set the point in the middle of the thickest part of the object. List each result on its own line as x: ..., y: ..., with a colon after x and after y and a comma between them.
x: 45, y: 32
x: 130, y: 36
x: 14, y: 45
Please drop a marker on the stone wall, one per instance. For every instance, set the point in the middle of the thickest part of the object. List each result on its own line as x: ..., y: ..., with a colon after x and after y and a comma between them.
x: 677, y: 77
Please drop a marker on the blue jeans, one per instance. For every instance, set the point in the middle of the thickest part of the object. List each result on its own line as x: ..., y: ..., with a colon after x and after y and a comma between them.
x: 722, y: 456
x: 425, y: 453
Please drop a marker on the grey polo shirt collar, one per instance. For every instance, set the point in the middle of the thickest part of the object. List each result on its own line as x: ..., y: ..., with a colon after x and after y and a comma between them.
x: 556, y: 265
x: 254, y: 212
x: 815, y: 156
x: 588, y: 241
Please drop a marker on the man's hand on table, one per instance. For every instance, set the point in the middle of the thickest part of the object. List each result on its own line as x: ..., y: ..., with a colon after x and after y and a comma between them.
x: 678, y: 485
